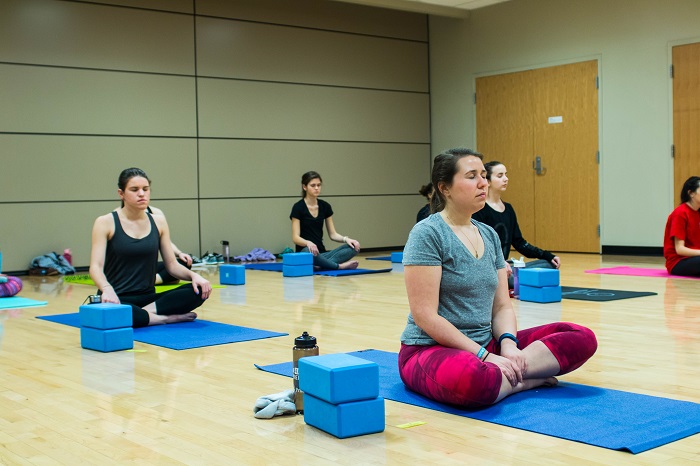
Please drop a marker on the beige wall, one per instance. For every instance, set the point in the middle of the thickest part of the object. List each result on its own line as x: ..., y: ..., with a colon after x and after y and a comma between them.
x: 224, y: 109
x: 630, y: 38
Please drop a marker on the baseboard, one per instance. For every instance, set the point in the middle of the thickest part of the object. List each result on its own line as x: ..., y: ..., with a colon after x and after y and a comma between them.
x: 633, y: 250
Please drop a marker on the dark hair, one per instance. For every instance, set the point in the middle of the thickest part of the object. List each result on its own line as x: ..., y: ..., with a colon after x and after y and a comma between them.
x: 128, y: 174
x: 489, y: 168
x: 426, y: 190
x: 691, y: 184
x: 444, y: 169
x: 306, y: 179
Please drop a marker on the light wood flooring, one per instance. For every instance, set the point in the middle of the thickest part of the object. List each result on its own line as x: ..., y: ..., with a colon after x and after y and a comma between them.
x: 61, y: 404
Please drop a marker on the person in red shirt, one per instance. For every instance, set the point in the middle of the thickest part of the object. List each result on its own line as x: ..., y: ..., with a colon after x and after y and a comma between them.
x: 682, y: 235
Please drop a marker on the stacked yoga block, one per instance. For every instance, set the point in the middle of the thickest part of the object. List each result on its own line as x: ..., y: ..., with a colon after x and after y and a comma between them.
x: 341, y: 394
x: 230, y: 274
x: 539, y: 285
x: 298, y: 264
x: 396, y: 257
x: 106, y: 327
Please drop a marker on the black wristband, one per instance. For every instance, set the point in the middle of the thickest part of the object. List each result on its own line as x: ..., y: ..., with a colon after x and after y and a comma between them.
x: 509, y: 336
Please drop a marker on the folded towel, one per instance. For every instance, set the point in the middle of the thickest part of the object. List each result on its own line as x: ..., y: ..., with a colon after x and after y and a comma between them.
x: 277, y: 404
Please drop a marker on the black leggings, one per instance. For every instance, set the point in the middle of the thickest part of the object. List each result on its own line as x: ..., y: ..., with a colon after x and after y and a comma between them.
x: 165, y: 276
x: 689, y: 267
x: 181, y: 300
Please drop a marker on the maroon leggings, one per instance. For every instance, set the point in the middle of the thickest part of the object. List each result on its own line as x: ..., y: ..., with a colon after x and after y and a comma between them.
x: 458, y: 377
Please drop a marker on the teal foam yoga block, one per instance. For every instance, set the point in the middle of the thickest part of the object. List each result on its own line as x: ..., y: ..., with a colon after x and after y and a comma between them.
x: 105, y: 315
x: 297, y: 270
x: 397, y: 257
x: 538, y: 277
x: 540, y: 294
x: 345, y: 419
x: 298, y: 258
x: 339, y: 378
x: 231, y: 274
x: 116, y: 339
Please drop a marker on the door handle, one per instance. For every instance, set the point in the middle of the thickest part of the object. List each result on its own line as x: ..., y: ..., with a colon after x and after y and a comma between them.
x: 537, y: 166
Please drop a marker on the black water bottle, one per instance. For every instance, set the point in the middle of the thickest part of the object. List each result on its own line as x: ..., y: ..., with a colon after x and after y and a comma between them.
x: 304, y: 345
x: 226, y: 252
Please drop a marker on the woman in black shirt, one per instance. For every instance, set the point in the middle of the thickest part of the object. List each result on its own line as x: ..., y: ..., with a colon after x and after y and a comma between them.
x: 308, y: 217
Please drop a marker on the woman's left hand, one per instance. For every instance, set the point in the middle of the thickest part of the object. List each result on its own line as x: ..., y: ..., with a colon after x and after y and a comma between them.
x: 353, y: 244
x: 201, y: 285
x: 512, y: 353
x: 186, y: 258
x: 556, y: 262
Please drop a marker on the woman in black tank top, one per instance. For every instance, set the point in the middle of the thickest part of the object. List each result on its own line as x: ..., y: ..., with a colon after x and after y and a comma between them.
x: 125, y: 247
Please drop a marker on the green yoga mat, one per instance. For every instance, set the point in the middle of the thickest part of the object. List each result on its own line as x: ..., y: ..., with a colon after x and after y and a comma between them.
x: 86, y: 280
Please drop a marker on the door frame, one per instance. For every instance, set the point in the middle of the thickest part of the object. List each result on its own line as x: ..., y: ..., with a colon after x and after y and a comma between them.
x: 599, y: 60
x: 672, y: 203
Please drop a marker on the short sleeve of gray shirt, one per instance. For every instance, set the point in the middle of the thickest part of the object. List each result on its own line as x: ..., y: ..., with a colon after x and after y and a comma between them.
x: 467, y: 286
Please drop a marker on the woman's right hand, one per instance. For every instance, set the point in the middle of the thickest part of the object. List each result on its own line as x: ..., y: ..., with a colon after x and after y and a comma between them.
x: 313, y: 249
x: 109, y: 296
x: 508, y: 368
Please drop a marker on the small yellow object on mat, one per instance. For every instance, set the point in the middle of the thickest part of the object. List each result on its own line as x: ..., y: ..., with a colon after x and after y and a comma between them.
x: 408, y: 425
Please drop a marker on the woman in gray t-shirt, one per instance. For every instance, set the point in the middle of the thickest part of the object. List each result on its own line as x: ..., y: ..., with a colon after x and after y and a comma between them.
x: 461, y: 344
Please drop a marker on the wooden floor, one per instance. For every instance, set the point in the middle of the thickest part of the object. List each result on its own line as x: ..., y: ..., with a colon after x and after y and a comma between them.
x: 61, y: 404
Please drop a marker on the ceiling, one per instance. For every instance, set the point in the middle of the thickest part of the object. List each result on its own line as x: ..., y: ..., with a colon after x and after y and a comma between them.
x: 451, y: 8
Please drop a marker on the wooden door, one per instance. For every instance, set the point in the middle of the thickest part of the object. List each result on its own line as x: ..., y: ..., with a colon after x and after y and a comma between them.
x: 551, y: 113
x: 686, y: 114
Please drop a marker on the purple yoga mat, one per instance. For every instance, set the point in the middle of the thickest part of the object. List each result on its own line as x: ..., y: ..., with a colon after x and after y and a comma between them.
x: 637, y: 272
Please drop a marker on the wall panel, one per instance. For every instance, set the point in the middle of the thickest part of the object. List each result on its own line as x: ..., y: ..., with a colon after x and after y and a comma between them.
x: 346, y: 168
x: 322, y: 14
x: 95, y: 36
x: 375, y: 221
x: 56, y: 100
x: 286, y: 111
x: 244, y: 50
x: 77, y: 168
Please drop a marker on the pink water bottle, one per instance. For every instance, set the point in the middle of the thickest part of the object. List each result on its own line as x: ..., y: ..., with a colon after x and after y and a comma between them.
x: 67, y: 256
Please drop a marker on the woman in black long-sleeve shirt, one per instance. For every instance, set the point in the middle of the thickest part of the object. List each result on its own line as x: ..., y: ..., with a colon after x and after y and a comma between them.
x: 501, y: 217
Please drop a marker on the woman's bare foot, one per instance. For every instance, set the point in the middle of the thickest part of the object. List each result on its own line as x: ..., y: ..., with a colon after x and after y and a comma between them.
x: 177, y: 318
x: 527, y: 384
x: 349, y: 265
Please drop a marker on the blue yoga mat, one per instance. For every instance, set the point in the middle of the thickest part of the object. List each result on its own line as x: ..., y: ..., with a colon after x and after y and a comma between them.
x: 596, y: 416
x: 14, y: 302
x: 277, y: 267
x: 185, y: 335
x: 342, y: 273
x: 379, y: 258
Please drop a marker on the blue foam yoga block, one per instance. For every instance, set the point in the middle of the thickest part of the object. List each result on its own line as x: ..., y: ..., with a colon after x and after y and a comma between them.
x: 397, y: 257
x: 540, y: 294
x: 297, y: 270
x: 345, y: 419
x: 115, y: 339
x: 339, y: 378
x: 231, y: 274
x: 105, y: 315
x: 298, y: 258
x: 538, y: 277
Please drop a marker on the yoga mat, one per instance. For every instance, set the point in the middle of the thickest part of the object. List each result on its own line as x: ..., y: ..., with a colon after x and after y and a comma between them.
x: 270, y: 267
x: 638, y: 272
x: 598, y: 294
x: 14, y: 302
x: 86, y: 280
x: 277, y: 267
x: 596, y: 416
x: 342, y: 273
x: 185, y: 335
x: 379, y: 258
